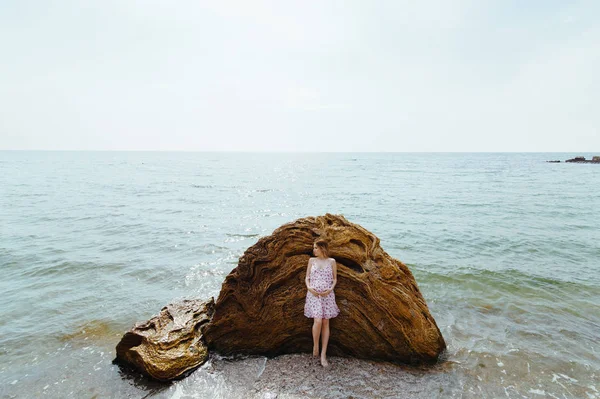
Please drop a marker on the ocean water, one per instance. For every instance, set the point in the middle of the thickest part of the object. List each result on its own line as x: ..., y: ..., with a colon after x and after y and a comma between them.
x: 504, y: 247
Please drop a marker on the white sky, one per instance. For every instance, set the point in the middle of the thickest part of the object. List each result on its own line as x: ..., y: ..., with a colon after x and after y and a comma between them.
x: 426, y: 75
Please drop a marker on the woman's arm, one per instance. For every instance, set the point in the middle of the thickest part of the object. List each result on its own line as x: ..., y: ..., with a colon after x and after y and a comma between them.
x: 307, y: 279
x: 334, y: 269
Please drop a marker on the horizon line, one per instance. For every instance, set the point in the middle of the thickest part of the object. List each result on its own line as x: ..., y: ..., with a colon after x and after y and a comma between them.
x: 301, y: 152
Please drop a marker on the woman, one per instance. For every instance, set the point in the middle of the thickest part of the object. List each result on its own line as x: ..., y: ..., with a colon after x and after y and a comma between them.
x: 321, y: 278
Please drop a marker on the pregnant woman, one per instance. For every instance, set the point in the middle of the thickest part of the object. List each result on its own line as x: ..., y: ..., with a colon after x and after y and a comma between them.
x: 321, y: 277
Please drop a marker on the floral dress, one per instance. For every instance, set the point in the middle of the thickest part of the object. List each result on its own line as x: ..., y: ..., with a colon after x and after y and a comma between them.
x: 321, y: 279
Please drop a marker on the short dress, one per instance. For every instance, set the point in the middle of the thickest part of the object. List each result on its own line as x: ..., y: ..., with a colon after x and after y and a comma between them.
x: 321, y: 279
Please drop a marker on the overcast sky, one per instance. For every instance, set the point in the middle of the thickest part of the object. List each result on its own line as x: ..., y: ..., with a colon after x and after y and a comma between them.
x: 419, y: 75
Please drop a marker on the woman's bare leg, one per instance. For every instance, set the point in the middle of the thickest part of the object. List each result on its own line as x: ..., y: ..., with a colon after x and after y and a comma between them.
x: 316, y: 331
x: 324, y: 341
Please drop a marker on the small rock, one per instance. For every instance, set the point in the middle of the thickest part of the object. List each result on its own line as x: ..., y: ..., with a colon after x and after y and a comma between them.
x: 170, y: 344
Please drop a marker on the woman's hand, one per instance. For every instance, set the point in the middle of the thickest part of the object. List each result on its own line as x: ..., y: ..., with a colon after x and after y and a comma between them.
x: 322, y: 293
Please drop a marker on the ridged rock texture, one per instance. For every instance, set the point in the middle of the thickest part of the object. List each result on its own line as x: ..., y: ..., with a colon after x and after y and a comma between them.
x: 260, y: 309
x: 168, y: 345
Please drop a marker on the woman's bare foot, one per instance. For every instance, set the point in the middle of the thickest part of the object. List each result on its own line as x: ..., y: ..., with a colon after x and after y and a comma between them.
x: 324, y: 362
x: 315, y: 351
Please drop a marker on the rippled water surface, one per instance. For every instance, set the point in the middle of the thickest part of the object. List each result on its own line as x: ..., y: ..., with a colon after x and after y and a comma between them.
x: 505, y: 249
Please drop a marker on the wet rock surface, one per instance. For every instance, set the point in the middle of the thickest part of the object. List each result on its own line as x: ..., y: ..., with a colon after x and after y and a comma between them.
x: 299, y: 375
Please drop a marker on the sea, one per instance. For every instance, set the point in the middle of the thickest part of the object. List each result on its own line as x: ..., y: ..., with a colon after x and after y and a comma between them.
x: 505, y: 248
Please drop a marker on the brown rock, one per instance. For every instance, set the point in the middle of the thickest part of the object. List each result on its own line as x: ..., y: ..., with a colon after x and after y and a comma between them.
x: 260, y: 309
x: 170, y: 344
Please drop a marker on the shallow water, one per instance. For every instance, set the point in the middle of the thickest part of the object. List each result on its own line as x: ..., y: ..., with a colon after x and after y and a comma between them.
x: 505, y: 249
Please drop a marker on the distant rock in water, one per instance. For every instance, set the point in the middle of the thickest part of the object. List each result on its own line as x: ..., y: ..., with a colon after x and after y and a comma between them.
x: 260, y: 309
x: 553, y: 161
x: 170, y: 344
x: 595, y: 159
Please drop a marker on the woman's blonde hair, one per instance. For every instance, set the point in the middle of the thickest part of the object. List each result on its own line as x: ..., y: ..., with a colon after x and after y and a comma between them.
x: 323, y: 246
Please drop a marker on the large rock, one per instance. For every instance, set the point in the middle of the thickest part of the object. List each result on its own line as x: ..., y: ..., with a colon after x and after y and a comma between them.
x: 170, y: 344
x: 383, y: 314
